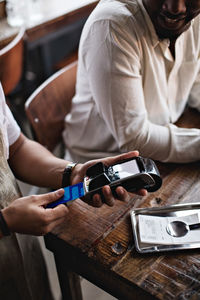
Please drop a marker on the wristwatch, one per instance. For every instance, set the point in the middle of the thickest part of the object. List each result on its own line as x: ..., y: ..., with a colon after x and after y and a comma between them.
x: 3, y: 226
x: 67, y: 173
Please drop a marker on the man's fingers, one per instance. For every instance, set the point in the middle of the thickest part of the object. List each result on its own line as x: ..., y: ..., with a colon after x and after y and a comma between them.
x: 109, y: 198
x: 122, y: 194
x: 59, y: 211
x: 94, y: 201
x: 97, y: 201
x: 142, y: 192
x: 50, y: 197
x: 116, y: 159
x: 54, y: 216
x: 129, y: 154
x: 126, y: 196
x: 53, y: 225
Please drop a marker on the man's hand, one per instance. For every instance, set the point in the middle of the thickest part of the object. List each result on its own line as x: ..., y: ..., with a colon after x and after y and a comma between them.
x: 28, y: 215
x: 79, y: 171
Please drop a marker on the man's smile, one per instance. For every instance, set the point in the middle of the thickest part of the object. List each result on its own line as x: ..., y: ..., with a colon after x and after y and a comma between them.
x: 169, y: 21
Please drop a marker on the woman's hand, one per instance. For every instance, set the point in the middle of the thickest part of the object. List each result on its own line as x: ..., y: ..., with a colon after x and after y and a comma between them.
x: 28, y: 215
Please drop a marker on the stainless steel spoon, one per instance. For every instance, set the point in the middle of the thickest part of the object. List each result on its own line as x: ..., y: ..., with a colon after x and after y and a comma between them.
x: 180, y: 228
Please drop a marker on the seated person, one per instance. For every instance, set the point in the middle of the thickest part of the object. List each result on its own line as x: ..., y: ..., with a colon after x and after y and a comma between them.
x: 22, y: 269
x: 138, y: 68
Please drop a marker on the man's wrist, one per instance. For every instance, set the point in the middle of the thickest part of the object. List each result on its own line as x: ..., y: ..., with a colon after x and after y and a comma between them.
x: 1, y: 234
x: 4, y: 230
x: 66, y: 179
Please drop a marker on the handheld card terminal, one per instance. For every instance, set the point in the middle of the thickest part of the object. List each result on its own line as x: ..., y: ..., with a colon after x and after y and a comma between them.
x: 133, y: 174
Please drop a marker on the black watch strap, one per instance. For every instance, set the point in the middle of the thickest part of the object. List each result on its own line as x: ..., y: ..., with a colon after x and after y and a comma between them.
x: 67, y: 173
x: 3, y: 225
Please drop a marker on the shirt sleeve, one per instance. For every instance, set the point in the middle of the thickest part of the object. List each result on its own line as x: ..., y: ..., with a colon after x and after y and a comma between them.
x: 194, y: 98
x: 13, y: 130
x: 112, y: 63
x: 9, y: 127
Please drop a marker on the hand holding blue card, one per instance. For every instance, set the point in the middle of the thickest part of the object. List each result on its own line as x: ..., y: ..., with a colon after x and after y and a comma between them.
x: 72, y: 193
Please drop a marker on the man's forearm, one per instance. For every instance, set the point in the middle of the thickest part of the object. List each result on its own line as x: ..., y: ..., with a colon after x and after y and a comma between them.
x: 34, y: 164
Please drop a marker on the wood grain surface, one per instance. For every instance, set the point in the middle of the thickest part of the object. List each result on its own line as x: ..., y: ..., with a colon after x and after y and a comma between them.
x: 101, y: 240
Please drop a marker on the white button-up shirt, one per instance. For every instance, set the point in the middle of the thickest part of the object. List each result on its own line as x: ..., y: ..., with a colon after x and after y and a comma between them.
x: 130, y: 90
x: 8, y: 126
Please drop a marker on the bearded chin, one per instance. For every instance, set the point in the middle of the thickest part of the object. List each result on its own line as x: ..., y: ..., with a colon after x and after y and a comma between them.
x: 169, y: 34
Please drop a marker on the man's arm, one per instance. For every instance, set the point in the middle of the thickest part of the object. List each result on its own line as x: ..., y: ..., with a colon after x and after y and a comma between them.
x: 29, y: 215
x: 34, y: 164
x: 194, y: 98
x: 117, y: 88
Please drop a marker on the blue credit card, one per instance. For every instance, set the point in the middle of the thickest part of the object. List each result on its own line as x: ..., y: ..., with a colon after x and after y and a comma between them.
x: 72, y: 192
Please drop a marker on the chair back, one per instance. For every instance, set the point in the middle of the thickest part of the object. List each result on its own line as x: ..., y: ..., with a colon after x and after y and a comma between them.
x: 11, y: 62
x: 47, y: 107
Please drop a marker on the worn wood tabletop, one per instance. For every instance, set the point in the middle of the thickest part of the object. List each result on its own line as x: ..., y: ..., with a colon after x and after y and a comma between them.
x: 98, y: 243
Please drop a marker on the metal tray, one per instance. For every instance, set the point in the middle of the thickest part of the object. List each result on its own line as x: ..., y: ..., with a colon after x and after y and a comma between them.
x: 177, y: 210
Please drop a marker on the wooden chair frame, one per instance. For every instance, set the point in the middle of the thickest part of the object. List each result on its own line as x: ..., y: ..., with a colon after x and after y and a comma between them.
x: 47, y: 107
x: 12, y: 62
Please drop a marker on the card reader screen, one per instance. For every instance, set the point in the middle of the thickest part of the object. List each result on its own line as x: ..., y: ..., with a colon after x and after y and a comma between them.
x: 126, y: 169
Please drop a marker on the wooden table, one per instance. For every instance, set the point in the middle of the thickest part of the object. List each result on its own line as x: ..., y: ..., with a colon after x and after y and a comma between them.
x: 98, y: 243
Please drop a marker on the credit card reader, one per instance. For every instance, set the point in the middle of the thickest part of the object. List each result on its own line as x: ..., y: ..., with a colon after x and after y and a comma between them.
x: 133, y: 174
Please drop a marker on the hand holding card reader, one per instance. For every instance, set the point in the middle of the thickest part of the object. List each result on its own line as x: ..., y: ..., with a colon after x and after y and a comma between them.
x: 133, y: 174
